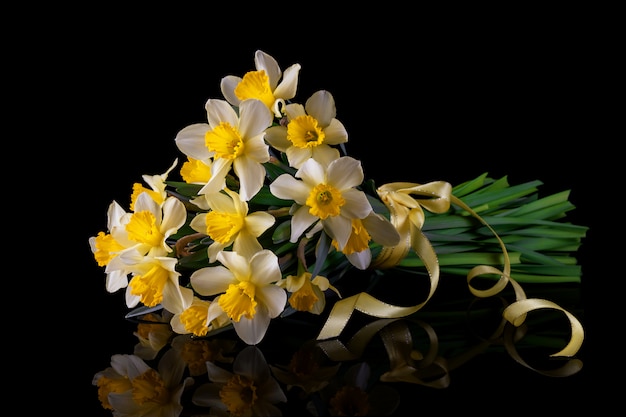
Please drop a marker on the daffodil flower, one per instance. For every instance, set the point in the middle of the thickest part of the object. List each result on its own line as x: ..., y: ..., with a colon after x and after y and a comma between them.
x: 306, y: 369
x: 375, y: 228
x: 107, y: 246
x: 228, y: 222
x: 157, y: 187
x: 357, y: 395
x: 248, y: 293
x: 310, y: 132
x: 131, y: 388
x: 326, y: 194
x: 144, y: 232
x: 155, y: 281
x: 196, y: 171
x: 234, y: 141
x: 197, y: 351
x: 152, y: 224
x: 199, y: 318
x: 249, y: 390
x: 307, y: 294
x: 267, y: 83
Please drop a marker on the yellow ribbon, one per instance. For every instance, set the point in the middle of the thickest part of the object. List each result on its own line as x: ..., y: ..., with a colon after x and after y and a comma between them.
x: 405, y: 202
x: 407, y: 216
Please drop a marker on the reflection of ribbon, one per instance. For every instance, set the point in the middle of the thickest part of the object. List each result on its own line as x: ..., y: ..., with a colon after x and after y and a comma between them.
x: 407, y: 215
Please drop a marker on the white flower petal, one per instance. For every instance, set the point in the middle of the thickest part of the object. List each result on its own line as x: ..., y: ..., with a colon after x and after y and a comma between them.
x: 339, y: 228
x: 276, y: 136
x: 325, y: 154
x: 174, y: 216
x: 264, y: 61
x: 219, y: 170
x: 236, y: 263
x: 265, y: 268
x: 300, y: 221
x: 252, y: 331
x: 215, y: 248
x: 312, y: 173
x: 335, y: 132
x: 381, y: 230
x: 289, y: 84
x: 258, y: 222
x: 211, y: 280
x: 254, y: 118
x: 357, y: 206
x: 361, y: 259
x: 298, y: 156
x: 190, y: 141
x: 289, y: 188
x: 294, y: 110
x: 220, y: 111
x: 220, y: 202
x: 246, y: 244
x: 345, y: 172
x: 251, y: 176
x: 227, y: 86
x: 257, y: 149
x: 321, y: 105
x: 274, y: 298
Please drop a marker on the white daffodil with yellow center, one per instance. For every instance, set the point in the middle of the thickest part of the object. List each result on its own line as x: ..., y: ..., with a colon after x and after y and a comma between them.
x: 375, y: 228
x: 328, y: 195
x: 267, y: 83
x: 228, y: 223
x: 234, y: 141
x: 152, y: 223
x: 249, y: 390
x: 157, y: 187
x: 247, y: 290
x: 155, y: 281
x: 307, y: 294
x: 143, y: 232
x: 199, y: 318
x: 311, y: 131
x: 195, y: 171
x: 106, y: 248
x: 129, y: 387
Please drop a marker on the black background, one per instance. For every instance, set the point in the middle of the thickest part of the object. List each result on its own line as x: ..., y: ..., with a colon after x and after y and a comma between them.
x: 421, y: 102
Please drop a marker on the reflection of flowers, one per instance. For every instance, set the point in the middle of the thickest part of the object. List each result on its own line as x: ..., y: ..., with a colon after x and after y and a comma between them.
x: 132, y: 388
x: 249, y: 390
x: 357, y: 395
x: 154, y: 333
x: 196, y: 352
x: 325, y: 378
x: 306, y: 369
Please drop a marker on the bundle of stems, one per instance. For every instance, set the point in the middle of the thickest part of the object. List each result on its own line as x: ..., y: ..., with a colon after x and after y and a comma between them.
x: 541, y: 243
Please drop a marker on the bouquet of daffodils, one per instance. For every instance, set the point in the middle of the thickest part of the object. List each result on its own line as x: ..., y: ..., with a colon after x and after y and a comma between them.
x: 270, y: 213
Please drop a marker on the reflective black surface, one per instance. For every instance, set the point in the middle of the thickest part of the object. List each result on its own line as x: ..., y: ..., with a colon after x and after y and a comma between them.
x: 468, y: 106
